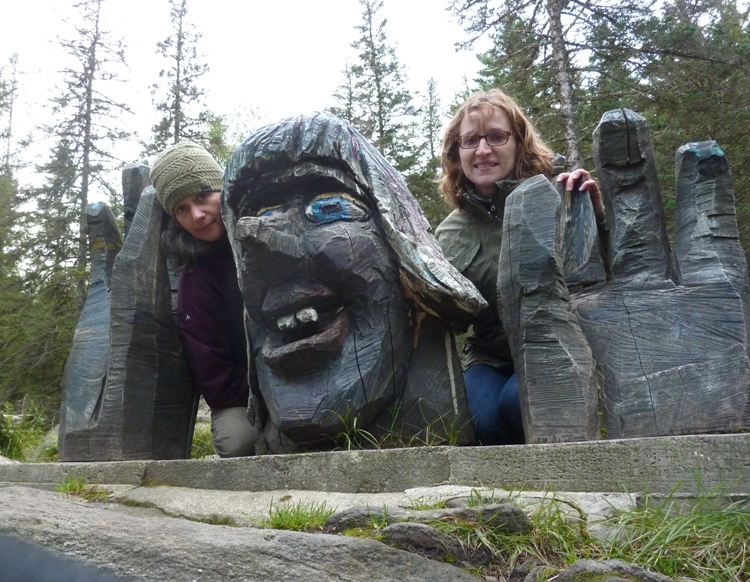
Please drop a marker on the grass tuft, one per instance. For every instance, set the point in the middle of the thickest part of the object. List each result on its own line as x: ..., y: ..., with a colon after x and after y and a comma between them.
x: 706, y: 542
x: 77, y: 486
x: 353, y: 436
x: 421, y: 505
x: 306, y: 517
x: 71, y: 485
x: 553, y: 539
x: 21, y: 433
x: 202, y: 445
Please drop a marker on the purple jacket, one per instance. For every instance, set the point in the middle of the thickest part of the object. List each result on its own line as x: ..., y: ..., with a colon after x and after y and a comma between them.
x: 210, y: 316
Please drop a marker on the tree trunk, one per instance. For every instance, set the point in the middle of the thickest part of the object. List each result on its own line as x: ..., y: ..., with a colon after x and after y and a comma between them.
x: 565, y: 89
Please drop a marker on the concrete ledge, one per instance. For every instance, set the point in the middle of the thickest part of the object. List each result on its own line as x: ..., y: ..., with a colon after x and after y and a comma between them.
x: 657, y: 465
x: 654, y: 465
x: 343, y: 471
x: 114, y: 472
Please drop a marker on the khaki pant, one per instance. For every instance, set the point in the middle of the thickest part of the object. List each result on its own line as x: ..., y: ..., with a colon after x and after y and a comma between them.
x: 234, y: 436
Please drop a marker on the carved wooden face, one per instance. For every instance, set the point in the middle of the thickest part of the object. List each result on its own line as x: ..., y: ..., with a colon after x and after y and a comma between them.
x: 330, y: 328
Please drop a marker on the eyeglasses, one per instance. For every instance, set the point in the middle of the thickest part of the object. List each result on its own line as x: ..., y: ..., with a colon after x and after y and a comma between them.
x: 494, y: 139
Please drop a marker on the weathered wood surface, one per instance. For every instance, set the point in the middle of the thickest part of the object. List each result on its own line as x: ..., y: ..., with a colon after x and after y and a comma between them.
x: 639, y: 248
x: 669, y: 334
x: 147, y: 406
x: 553, y: 362
x: 672, y: 350
x: 149, y: 383
x: 337, y: 271
x: 87, y: 363
x: 135, y: 178
x: 582, y: 262
x: 433, y: 408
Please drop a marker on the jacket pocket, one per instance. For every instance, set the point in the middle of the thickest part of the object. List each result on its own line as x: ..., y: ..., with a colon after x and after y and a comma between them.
x: 461, y: 256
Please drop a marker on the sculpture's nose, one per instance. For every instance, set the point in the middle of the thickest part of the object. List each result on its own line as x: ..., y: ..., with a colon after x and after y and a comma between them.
x: 255, y: 230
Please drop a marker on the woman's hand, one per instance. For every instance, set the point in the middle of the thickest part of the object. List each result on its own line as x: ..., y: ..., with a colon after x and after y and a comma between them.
x: 588, y: 185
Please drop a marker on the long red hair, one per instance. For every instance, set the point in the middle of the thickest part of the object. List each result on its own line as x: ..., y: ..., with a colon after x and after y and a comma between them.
x: 533, y: 157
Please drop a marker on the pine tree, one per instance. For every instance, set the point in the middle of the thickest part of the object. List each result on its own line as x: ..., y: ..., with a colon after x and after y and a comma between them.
x: 550, y: 35
x: 8, y: 184
x: 217, y: 139
x: 696, y: 80
x: 517, y: 64
x: 36, y: 322
x: 86, y: 127
x: 373, y: 96
x: 422, y: 180
x: 344, y: 96
x: 180, y: 98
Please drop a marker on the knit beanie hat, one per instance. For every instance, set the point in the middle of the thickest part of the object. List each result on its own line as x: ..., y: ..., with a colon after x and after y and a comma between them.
x: 182, y: 170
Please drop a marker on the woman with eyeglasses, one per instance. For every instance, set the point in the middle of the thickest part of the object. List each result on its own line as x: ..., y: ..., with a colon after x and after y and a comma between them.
x: 488, y: 149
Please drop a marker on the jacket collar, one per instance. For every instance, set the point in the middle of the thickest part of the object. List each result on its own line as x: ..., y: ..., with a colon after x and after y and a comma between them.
x: 492, y: 207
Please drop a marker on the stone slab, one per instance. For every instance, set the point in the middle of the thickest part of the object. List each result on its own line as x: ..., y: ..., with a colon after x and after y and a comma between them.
x: 655, y: 465
x: 139, y: 545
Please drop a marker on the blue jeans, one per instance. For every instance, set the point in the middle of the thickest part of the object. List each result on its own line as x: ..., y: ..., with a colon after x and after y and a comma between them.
x: 494, y: 405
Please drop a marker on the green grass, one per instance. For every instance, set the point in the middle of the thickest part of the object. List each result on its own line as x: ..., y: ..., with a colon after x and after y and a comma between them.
x: 306, y: 517
x: 443, y: 431
x: 71, y: 485
x: 553, y: 539
x: 19, y: 438
x: 353, y: 436
x: 707, y: 542
x: 421, y: 505
x: 202, y: 445
x: 77, y: 486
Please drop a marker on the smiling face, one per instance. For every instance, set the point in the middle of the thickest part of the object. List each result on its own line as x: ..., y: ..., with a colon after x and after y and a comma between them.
x: 485, y: 165
x: 200, y: 215
x: 330, y: 327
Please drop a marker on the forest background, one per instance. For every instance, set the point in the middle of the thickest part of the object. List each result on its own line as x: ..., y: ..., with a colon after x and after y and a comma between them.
x: 682, y: 64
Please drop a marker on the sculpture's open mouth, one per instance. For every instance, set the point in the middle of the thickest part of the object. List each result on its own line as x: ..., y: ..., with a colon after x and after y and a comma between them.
x: 307, y: 326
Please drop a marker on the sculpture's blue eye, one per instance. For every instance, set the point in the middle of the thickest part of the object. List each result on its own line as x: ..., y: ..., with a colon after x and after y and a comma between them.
x: 333, y: 207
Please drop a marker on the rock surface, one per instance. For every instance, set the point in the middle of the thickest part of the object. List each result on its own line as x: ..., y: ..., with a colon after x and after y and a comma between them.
x: 618, y: 569
x: 143, y: 545
x: 155, y: 533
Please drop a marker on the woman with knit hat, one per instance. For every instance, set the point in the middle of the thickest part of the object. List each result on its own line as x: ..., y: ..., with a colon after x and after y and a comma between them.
x: 188, y: 184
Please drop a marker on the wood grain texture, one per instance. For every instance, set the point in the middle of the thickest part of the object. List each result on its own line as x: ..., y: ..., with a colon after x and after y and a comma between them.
x: 670, y: 333
x: 553, y: 362
x: 365, y: 263
x: 135, y: 178
x: 86, y: 366
x: 639, y: 247
x: 147, y: 406
x: 433, y: 407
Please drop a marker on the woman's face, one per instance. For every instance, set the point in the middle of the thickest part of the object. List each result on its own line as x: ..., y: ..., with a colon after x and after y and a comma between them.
x: 200, y: 215
x: 485, y: 165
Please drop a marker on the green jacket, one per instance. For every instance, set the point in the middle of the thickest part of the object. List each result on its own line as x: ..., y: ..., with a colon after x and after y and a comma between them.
x: 471, y: 239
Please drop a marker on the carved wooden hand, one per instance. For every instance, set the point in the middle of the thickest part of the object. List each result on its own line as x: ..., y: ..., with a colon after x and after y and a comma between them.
x: 660, y: 349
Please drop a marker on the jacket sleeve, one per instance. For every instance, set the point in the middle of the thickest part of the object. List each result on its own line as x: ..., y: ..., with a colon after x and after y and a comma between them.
x: 217, y: 372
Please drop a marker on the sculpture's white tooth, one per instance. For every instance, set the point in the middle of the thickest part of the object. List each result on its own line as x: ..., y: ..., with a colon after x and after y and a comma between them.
x: 286, y: 322
x: 307, y: 315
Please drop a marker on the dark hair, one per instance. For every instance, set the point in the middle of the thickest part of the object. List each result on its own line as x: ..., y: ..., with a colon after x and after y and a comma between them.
x: 182, y: 247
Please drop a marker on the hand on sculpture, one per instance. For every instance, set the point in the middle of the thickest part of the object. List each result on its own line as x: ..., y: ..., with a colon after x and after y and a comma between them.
x: 660, y: 349
x: 587, y: 185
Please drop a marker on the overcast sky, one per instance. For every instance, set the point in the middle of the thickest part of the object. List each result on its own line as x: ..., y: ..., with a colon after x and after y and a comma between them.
x: 279, y: 58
